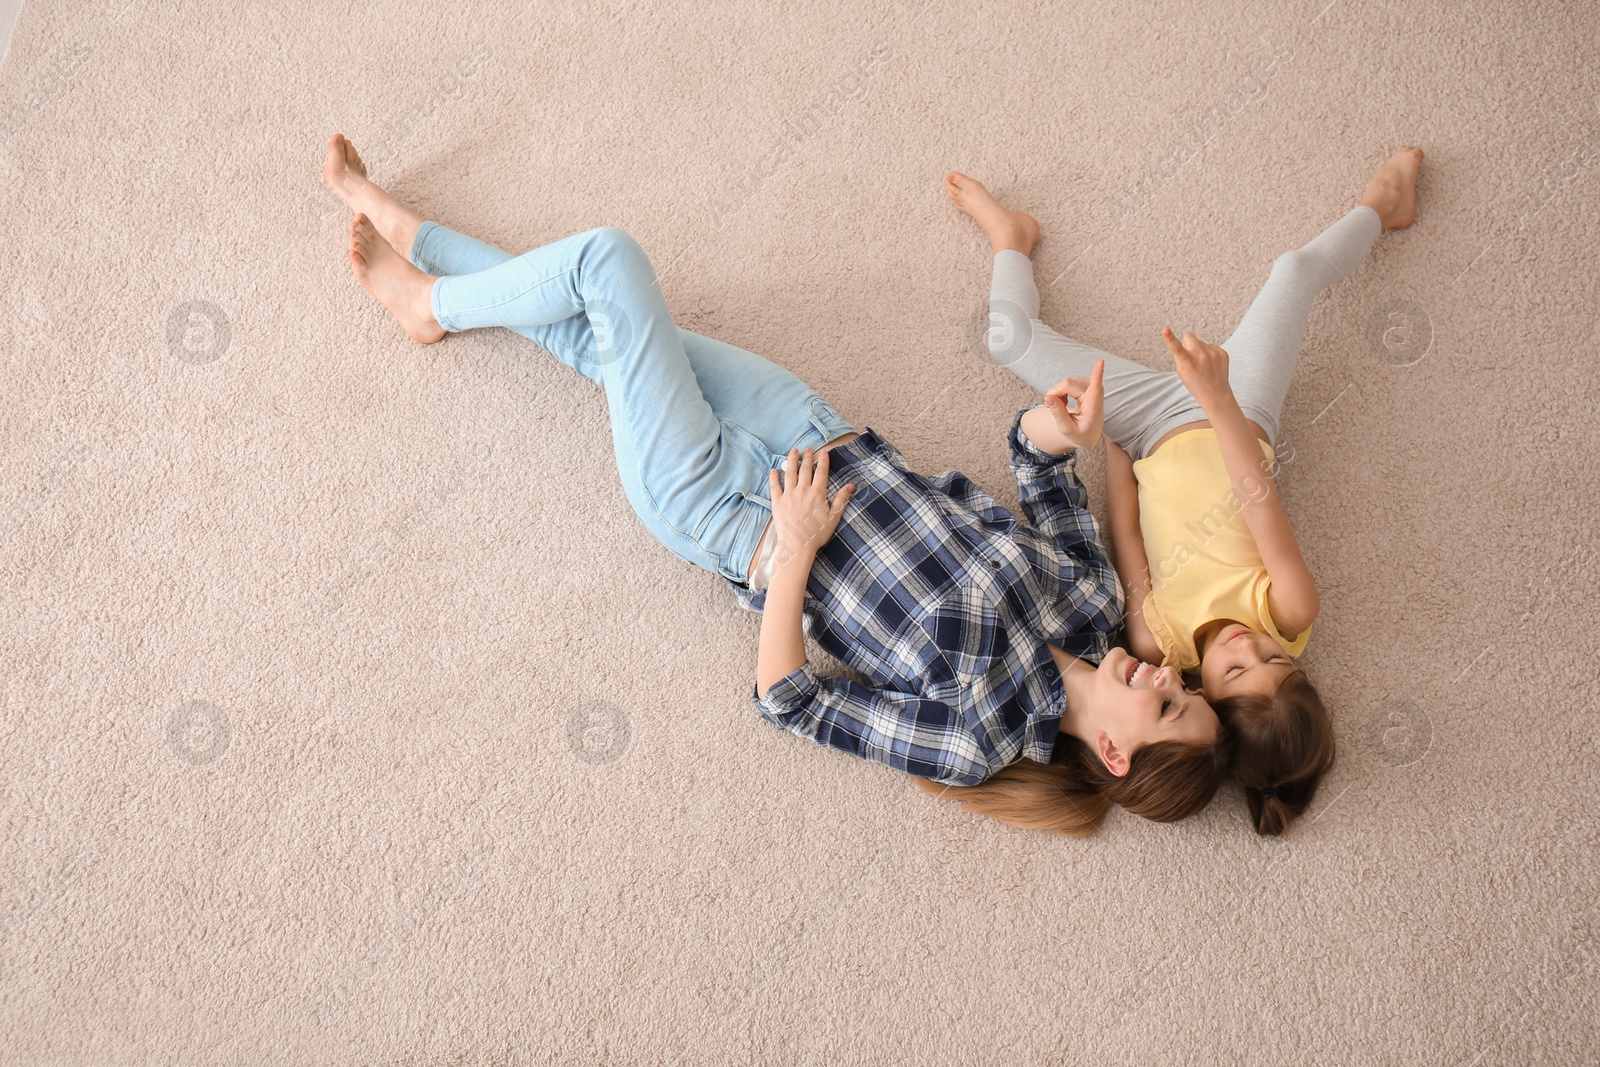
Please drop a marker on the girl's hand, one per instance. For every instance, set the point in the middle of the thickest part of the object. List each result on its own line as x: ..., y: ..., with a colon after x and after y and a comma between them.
x: 801, y: 515
x: 1202, y: 368
x: 1082, y: 426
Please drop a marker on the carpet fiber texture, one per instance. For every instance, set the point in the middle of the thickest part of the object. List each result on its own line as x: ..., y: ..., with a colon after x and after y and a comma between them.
x: 350, y: 715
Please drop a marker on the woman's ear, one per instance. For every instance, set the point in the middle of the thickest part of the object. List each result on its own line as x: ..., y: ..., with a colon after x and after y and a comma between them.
x: 1110, y: 755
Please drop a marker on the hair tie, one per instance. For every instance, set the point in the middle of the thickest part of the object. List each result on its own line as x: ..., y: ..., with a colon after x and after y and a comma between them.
x: 1268, y: 793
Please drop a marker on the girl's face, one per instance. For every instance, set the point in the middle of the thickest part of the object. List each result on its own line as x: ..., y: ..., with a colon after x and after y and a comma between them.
x: 1239, y: 660
x: 1132, y: 704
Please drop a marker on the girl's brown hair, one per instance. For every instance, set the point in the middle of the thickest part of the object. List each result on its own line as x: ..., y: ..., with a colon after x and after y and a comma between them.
x: 1166, y: 781
x: 1283, y: 745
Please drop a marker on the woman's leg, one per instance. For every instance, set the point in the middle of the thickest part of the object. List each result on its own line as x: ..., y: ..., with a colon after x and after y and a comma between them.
x: 697, y: 481
x: 760, y: 408
x: 741, y: 387
x: 440, y: 251
x: 1265, y: 347
x: 1141, y: 404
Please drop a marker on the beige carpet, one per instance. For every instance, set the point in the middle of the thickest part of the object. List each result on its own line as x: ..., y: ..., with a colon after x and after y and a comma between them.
x: 351, y: 715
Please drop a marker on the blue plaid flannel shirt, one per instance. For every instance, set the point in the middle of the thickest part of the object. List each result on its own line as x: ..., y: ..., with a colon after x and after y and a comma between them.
x: 937, y: 596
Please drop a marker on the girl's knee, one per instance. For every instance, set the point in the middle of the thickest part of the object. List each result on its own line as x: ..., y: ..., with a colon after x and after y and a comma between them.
x: 1293, y: 262
x: 1010, y: 332
x: 1306, y: 265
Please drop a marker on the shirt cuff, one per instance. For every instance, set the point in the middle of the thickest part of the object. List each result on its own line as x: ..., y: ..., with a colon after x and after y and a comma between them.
x: 788, y: 692
x: 1025, y: 443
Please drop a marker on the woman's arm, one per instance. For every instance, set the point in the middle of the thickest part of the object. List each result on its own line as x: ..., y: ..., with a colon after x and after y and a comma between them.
x: 1127, y: 550
x: 802, y: 520
x: 1292, y: 595
x: 783, y: 645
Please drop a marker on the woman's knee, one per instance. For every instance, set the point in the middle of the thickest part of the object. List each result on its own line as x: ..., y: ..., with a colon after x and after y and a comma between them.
x: 614, y: 239
x: 617, y: 248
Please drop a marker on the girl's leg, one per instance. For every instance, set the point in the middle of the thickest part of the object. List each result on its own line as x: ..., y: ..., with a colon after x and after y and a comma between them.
x: 698, y: 481
x: 1141, y: 405
x: 1263, y: 350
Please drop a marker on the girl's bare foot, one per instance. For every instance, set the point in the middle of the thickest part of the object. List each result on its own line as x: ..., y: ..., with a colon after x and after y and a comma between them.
x: 346, y: 175
x: 395, y: 283
x: 1004, y: 228
x: 1392, y: 193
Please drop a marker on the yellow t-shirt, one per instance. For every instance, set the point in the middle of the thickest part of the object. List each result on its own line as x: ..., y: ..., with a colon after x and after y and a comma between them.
x: 1204, y: 563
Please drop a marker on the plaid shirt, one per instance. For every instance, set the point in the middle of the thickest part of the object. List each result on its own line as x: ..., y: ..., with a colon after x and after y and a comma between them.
x: 944, y: 603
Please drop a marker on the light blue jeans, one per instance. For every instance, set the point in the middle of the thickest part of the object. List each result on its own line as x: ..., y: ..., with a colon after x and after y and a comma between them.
x: 696, y: 423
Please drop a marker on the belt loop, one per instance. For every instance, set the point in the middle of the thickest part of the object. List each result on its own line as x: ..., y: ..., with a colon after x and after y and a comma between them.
x: 825, y: 418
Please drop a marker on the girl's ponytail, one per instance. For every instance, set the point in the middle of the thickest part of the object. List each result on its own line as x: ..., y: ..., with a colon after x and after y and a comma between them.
x: 1283, y: 747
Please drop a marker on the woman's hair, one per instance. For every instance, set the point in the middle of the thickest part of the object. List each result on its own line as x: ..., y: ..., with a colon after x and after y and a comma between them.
x: 1166, y: 781
x: 1283, y: 744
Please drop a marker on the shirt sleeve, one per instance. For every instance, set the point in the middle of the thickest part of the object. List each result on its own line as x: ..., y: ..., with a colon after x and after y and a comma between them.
x: 1056, y: 503
x: 1292, y: 649
x: 906, y: 731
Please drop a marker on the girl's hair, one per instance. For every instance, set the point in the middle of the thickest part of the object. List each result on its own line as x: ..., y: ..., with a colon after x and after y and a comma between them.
x: 1166, y: 781
x: 1283, y: 744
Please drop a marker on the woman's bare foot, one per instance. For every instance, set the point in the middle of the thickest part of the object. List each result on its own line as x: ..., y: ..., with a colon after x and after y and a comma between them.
x: 1392, y: 193
x: 346, y: 175
x: 1004, y: 228
x: 395, y: 283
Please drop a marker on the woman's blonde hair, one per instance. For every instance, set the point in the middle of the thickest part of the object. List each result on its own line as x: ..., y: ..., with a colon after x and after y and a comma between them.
x: 1166, y: 781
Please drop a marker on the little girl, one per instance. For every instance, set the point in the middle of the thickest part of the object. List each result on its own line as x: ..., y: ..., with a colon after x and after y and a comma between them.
x: 1213, y: 577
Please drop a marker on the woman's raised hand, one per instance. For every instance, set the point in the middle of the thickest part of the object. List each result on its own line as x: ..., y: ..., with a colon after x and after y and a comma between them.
x: 1202, y: 368
x: 1081, y: 427
x: 801, y: 515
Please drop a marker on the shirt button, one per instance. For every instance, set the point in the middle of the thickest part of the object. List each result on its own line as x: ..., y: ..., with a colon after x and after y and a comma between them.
x: 1049, y: 672
x: 995, y: 563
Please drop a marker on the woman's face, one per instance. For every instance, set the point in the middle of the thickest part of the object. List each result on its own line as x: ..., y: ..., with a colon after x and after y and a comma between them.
x: 1133, y: 704
x: 1239, y: 660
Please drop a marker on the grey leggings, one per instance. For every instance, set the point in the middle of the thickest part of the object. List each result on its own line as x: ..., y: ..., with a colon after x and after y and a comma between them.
x: 1142, y: 405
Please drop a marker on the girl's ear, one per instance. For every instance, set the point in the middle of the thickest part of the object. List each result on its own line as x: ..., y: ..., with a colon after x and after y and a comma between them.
x: 1110, y: 755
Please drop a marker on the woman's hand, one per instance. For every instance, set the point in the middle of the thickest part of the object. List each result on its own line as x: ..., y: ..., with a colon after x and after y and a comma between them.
x: 801, y: 515
x: 1080, y: 427
x: 1202, y: 368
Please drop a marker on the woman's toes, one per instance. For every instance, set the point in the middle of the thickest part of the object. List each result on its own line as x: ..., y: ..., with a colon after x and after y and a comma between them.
x: 352, y: 158
x: 396, y: 284
x: 343, y: 171
x: 334, y: 163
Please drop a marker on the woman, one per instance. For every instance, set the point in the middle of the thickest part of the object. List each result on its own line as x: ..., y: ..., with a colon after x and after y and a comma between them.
x: 978, y: 636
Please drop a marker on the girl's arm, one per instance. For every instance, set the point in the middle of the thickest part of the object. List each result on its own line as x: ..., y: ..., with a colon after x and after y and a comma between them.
x: 1292, y: 595
x: 1127, y: 550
